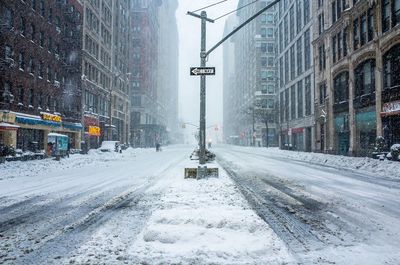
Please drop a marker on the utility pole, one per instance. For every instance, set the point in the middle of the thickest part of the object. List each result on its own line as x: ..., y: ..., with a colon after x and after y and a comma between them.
x: 203, y: 57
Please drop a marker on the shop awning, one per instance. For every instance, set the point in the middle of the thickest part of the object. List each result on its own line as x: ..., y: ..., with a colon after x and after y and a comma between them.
x: 8, y: 127
x: 72, y: 126
x: 36, y: 121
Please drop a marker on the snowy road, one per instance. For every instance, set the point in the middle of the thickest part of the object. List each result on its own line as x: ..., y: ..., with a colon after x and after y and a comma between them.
x: 324, y: 215
x: 48, y: 213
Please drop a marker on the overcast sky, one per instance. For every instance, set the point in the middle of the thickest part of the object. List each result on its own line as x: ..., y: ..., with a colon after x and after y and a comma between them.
x: 189, y: 56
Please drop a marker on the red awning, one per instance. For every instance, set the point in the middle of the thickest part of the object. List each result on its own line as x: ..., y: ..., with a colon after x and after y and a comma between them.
x: 390, y: 113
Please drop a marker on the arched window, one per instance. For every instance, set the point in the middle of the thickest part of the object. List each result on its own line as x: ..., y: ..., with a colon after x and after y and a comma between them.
x: 365, y: 78
x: 341, y: 87
x: 391, y: 67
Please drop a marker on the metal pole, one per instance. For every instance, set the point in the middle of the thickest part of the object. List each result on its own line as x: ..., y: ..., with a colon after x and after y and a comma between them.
x: 110, y: 112
x: 202, y: 157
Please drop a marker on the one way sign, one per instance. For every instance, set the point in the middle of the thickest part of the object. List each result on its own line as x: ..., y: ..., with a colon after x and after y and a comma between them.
x: 202, y: 70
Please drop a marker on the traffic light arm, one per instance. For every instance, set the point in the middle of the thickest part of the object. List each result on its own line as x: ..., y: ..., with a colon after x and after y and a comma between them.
x: 241, y: 26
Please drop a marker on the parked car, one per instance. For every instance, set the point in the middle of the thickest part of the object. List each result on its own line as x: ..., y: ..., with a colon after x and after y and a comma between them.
x: 110, y: 146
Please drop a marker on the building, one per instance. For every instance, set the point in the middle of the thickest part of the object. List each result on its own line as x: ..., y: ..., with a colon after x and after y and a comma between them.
x: 168, y: 73
x: 40, y: 72
x: 147, y: 124
x: 255, y: 91
x: 357, y: 75
x: 105, y: 73
x: 294, y: 63
x: 230, y: 93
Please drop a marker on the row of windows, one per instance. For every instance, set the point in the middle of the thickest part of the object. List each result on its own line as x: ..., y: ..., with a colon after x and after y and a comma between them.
x: 97, y: 76
x: 30, y: 65
x: 287, y: 63
x: 31, y: 98
x: 298, y: 107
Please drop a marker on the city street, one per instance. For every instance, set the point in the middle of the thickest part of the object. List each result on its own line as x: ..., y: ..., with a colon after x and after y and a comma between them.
x: 135, y: 207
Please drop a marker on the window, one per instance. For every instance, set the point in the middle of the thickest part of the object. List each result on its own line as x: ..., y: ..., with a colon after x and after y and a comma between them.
x: 293, y: 102
x: 291, y: 21
x: 391, y: 69
x: 292, y: 63
x: 34, y: 4
x: 300, y: 99
x: 21, y: 61
x: 308, y: 94
x: 31, y: 65
x: 321, y: 23
x: 271, y: 89
x: 356, y: 38
x: 41, y: 39
x: 298, y: 17
x: 40, y: 70
x: 9, y: 17
x: 42, y: 9
x: 365, y: 78
x: 306, y: 11
x: 22, y: 26
x: 322, y: 93
x: 341, y: 87
x: 322, y: 59
x: 50, y: 46
x: 21, y: 95
x: 307, y: 50
x: 286, y: 71
x: 299, y: 56
x: 31, y: 97
x: 363, y: 28
x: 50, y: 18
x: 33, y: 32
x: 385, y: 15
x: 8, y: 52
x: 345, y: 41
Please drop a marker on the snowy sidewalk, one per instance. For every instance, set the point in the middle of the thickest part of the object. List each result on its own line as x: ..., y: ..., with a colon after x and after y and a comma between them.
x: 205, y: 222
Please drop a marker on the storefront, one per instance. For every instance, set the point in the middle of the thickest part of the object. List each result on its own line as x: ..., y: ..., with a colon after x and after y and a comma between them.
x: 366, y: 132
x: 391, y: 122
x: 29, y: 132
x: 92, y: 131
x: 342, y: 133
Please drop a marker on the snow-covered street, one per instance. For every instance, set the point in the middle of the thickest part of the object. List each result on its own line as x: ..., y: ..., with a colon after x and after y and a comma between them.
x: 136, y: 208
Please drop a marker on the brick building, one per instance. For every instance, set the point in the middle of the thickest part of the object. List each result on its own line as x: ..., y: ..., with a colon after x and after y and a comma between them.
x: 40, y: 72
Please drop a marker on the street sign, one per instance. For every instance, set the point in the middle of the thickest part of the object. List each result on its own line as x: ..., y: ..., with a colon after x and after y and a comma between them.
x: 202, y: 70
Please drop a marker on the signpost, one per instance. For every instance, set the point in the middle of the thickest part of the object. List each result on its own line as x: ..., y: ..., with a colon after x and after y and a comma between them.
x: 202, y: 71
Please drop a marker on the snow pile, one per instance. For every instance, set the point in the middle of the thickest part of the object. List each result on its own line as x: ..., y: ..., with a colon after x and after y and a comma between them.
x: 33, y: 168
x: 206, y: 222
x: 385, y: 168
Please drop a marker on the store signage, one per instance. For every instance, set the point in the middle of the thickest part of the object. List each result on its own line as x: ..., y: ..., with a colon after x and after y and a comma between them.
x: 391, y: 106
x: 50, y: 117
x: 94, y: 130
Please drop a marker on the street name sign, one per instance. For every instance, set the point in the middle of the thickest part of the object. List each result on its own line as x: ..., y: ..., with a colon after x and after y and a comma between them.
x: 202, y: 70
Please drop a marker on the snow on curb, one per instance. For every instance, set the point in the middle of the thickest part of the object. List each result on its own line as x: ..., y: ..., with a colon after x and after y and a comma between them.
x: 206, y: 222
x: 389, y: 169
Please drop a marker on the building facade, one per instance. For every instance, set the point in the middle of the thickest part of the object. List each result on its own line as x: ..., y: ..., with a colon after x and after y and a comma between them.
x: 230, y: 93
x: 168, y: 73
x: 40, y: 72
x: 294, y: 63
x: 357, y: 49
x: 147, y: 126
x: 255, y: 91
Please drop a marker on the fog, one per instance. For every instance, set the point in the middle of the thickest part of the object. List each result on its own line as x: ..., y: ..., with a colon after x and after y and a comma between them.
x: 189, y: 53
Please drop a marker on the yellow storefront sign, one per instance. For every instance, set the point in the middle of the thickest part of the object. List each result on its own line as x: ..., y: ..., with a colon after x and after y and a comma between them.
x: 94, y: 130
x: 51, y: 117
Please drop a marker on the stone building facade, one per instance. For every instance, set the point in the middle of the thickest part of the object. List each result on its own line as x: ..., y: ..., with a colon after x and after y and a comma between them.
x: 40, y: 83
x: 357, y: 47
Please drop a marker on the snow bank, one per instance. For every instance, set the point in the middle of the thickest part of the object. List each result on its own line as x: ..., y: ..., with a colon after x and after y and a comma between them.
x: 33, y: 168
x: 206, y: 222
x: 386, y: 168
